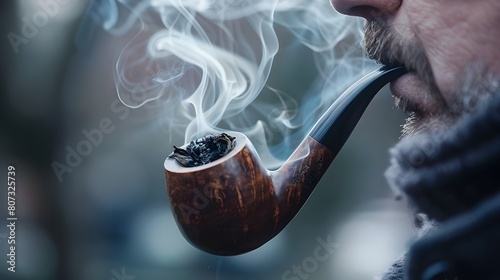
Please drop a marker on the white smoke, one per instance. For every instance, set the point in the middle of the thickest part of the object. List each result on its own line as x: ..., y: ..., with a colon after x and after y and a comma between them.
x: 205, y: 65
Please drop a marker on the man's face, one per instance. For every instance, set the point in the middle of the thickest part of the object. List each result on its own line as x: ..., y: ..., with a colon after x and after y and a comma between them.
x: 451, y: 47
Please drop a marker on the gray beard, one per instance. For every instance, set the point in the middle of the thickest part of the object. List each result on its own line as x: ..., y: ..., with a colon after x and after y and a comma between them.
x: 449, y: 163
x: 476, y: 88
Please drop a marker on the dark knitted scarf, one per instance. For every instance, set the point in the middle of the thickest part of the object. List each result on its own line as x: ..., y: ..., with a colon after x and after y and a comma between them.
x: 452, y: 176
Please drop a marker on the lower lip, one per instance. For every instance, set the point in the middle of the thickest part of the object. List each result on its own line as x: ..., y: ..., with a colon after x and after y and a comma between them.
x: 403, y: 84
x: 410, y: 88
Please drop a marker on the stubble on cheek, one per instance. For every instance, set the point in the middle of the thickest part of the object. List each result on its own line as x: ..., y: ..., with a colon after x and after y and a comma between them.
x: 398, y: 45
x: 393, y: 44
x: 473, y: 90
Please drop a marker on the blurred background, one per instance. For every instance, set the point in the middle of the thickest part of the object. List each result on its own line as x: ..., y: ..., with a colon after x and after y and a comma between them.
x: 104, y: 214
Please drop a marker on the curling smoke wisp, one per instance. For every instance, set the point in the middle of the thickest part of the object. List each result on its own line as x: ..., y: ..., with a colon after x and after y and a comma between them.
x: 267, y: 68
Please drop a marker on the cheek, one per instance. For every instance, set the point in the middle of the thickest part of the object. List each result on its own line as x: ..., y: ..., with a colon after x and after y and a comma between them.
x: 443, y: 34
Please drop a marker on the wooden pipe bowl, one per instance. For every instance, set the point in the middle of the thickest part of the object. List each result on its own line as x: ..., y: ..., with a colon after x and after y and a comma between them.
x: 225, y: 204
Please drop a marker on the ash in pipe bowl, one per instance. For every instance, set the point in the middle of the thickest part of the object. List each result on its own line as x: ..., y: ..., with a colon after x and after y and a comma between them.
x: 204, y: 150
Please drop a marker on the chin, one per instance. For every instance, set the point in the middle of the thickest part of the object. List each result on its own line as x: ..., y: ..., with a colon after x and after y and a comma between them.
x: 444, y: 166
x: 416, y: 125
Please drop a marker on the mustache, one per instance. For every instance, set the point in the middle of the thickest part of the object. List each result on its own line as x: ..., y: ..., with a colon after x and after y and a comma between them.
x: 390, y: 45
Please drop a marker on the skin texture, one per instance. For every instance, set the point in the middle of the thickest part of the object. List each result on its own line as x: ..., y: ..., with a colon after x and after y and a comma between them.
x: 445, y: 44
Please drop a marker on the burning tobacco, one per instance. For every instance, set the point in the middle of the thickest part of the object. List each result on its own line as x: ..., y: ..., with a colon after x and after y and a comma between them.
x: 204, y: 150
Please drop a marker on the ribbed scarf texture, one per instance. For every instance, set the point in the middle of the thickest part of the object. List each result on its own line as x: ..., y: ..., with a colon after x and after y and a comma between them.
x: 448, y: 173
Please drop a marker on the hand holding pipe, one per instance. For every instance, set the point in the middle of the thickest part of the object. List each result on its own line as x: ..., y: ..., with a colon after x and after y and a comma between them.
x: 234, y: 204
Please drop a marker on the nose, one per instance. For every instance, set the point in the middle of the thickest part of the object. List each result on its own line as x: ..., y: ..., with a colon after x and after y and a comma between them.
x: 369, y: 9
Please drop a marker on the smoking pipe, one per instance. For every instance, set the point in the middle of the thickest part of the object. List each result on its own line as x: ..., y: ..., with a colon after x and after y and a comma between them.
x: 234, y: 204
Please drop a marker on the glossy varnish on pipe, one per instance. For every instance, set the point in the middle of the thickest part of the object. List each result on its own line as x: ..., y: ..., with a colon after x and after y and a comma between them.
x: 234, y: 204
